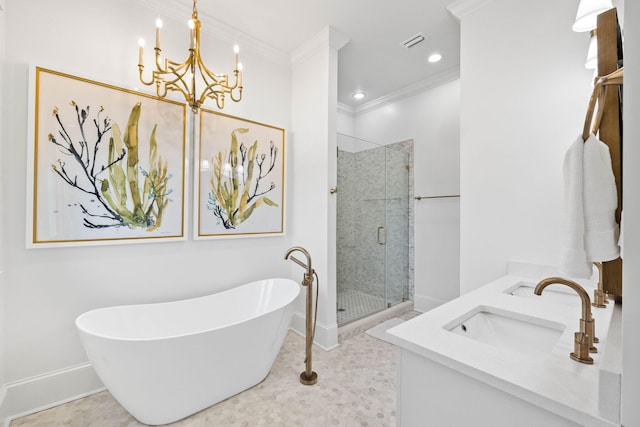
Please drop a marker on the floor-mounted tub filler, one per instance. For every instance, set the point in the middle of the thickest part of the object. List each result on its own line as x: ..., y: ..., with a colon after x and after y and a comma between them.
x: 166, y: 361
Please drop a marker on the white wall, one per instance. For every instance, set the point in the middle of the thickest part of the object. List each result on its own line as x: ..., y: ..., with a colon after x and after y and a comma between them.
x: 431, y: 119
x: 45, y: 289
x: 524, y: 92
x: 2, y: 293
x: 314, y: 125
x: 631, y: 230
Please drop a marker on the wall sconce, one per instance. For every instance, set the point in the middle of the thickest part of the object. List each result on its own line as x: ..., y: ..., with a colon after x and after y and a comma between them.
x: 588, y: 11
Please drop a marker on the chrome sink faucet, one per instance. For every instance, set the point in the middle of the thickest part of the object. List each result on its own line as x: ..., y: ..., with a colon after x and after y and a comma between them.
x: 584, y: 339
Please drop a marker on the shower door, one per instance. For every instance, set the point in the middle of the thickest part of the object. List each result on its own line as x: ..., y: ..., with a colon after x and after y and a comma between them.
x: 372, y: 228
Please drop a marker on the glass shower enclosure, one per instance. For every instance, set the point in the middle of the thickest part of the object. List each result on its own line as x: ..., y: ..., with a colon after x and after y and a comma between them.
x: 373, y: 238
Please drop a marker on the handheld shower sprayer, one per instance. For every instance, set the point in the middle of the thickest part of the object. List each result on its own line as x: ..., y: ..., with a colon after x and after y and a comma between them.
x: 308, y: 377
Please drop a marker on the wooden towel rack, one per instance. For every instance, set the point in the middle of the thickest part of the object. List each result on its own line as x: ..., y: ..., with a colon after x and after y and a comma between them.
x: 607, y: 123
x: 599, y: 95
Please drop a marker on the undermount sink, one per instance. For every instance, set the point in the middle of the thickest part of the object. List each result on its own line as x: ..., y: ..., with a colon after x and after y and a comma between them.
x: 508, y: 330
x: 554, y: 293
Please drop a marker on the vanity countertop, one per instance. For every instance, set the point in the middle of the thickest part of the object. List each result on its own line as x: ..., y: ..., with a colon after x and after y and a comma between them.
x: 550, y: 380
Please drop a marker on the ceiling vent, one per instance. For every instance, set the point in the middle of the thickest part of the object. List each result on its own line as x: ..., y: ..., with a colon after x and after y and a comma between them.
x: 412, y: 41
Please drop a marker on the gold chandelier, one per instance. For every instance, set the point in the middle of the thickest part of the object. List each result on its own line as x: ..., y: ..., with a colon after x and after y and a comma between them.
x: 181, y: 77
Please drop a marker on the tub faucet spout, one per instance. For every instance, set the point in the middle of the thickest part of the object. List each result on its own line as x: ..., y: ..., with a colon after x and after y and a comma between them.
x: 583, y: 343
x: 308, y: 276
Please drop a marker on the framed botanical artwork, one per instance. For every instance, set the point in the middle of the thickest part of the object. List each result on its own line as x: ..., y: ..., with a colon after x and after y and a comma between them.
x: 239, y: 178
x: 106, y: 164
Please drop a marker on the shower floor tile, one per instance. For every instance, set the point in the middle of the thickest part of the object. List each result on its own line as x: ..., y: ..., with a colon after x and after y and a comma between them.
x: 354, y: 305
x: 356, y: 387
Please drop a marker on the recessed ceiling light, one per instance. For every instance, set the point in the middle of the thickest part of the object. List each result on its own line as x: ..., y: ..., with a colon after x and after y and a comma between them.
x: 436, y: 57
x: 359, y: 95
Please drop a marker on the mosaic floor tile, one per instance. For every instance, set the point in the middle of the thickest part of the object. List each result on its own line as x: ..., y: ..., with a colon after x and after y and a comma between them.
x: 354, y: 305
x: 356, y: 387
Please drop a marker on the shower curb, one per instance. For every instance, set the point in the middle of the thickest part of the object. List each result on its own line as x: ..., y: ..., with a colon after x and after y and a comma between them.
x: 359, y: 326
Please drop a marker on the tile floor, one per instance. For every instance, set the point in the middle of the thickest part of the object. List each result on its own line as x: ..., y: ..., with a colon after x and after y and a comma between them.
x: 356, y: 387
x: 354, y: 305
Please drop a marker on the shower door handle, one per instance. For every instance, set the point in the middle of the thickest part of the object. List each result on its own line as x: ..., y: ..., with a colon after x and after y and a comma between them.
x: 382, y: 235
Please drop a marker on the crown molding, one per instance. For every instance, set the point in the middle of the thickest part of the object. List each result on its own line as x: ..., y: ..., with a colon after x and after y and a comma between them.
x: 406, y: 92
x: 180, y: 10
x: 461, y: 8
x: 345, y: 109
x: 328, y: 36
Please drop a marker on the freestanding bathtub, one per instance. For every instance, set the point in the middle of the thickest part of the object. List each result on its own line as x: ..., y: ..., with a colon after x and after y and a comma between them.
x: 166, y: 361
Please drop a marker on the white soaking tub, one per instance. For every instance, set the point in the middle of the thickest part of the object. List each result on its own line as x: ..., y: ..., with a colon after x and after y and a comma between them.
x: 166, y: 361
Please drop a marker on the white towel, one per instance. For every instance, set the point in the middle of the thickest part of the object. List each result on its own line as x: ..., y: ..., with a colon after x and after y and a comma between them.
x: 573, y: 258
x: 600, y: 200
x: 591, y: 198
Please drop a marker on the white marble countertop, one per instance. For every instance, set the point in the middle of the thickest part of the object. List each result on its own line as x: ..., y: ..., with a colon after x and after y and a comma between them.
x: 552, y: 380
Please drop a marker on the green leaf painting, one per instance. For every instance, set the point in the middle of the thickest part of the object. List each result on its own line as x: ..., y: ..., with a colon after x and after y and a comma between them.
x: 127, y: 193
x: 240, y: 180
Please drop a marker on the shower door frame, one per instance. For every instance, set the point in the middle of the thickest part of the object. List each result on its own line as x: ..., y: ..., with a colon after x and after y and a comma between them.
x: 377, y: 234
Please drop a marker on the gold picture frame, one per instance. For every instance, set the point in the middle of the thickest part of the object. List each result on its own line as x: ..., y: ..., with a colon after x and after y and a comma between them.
x: 106, y: 164
x: 239, y: 177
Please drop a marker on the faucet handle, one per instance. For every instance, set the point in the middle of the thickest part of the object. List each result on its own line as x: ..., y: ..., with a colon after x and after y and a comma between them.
x: 599, y: 298
x: 581, y: 349
x: 588, y: 328
x: 592, y: 332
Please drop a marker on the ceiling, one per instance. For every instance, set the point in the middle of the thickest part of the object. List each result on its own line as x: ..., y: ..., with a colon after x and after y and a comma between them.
x: 373, y: 61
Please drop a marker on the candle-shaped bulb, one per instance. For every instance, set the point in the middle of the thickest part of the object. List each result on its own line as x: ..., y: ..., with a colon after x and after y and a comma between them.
x: 236, y: 49
x: 140, y: 50
x: 192, y: 41
x: 158, y: 27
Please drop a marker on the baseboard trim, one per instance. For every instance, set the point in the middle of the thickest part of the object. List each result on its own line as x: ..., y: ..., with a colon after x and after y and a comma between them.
x: 326, y: 336
x: 34, y: 394
x: 41, y: 392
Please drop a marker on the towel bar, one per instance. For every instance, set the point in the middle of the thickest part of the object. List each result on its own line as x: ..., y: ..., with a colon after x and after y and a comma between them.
x: 435, y: 197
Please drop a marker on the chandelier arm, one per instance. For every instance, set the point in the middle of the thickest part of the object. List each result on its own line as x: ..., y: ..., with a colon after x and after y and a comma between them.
x: 174, y: 76
x: 158, y: 65
x: 160, y: 93
x: 239, y: 92
x: 214, y: 76
x: 211, y: 92
x: 150, y: 82
x: 221, y: 81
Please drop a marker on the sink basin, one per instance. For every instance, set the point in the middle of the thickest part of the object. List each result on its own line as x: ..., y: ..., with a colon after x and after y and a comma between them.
x: 553, y: 293
x: 508, y: 330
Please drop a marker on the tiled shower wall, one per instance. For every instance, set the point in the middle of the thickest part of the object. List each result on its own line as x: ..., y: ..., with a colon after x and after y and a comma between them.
x: 376, y: 190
